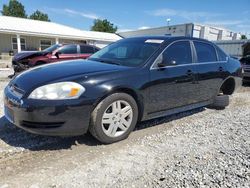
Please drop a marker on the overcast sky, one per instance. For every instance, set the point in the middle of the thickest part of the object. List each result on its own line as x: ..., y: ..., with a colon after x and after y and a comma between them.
x: 132, y: 14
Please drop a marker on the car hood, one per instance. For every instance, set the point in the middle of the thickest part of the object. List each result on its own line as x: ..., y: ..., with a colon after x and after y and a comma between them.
x: 27, y: 54
x: 42, y: 75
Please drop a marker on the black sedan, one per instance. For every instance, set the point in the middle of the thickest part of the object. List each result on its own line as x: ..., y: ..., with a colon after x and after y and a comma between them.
x: 131, y: 80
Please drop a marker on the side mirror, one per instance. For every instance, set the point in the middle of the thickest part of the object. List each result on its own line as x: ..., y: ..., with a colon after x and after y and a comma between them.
x: 159, y: 61
x: 172, y: 63
x: 57, y: 54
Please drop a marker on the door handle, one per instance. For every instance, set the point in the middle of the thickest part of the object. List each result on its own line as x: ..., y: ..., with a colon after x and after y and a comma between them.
x: 220, y: 69
x: 189, y: 73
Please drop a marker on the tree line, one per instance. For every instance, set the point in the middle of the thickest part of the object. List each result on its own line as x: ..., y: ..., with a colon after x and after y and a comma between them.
x: 16, y: 9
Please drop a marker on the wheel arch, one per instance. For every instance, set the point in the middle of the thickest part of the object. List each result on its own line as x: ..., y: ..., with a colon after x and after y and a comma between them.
x: 228, y: 86
x: 136, y: 96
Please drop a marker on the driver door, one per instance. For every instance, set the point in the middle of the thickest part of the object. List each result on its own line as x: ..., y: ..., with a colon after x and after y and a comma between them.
x: 174, y: 82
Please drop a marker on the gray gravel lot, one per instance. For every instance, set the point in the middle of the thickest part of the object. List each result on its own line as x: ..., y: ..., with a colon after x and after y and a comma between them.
x: 199, y: 148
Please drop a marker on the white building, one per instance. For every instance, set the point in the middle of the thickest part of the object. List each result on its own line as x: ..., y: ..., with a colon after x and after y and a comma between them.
x: 189, y: 29
x: 236, y: 48
x: 17, y: 34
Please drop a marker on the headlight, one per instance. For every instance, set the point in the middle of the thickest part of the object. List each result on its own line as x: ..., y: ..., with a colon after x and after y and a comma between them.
x: 58, y: 91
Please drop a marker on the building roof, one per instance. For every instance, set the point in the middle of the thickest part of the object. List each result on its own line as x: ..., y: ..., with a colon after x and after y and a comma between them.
x: 24, y: 26
x: 162, y: 29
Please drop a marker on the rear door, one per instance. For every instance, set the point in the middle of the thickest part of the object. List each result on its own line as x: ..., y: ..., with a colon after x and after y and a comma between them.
x: 210, y: 68
x: 86, y: 51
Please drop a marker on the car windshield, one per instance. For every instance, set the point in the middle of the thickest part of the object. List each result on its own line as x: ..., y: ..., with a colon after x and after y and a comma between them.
x: 128, y: 52
x: 52, y: 48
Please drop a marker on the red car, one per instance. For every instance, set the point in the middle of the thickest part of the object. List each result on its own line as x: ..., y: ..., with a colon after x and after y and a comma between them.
x: 55, y: 53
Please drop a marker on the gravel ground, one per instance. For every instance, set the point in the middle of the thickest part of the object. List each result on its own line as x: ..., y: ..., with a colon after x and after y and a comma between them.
x: 199, y: 148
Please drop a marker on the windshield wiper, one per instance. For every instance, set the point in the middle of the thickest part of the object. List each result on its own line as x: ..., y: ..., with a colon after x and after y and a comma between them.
x: 106, y: 61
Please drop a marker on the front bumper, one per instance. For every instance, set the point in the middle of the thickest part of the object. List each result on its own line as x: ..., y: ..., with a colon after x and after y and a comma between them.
x: 54, y: 118
x: 19, y: 67
x: 246, y: 74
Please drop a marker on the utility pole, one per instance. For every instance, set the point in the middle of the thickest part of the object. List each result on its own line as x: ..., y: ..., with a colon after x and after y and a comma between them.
x: 168, y: 20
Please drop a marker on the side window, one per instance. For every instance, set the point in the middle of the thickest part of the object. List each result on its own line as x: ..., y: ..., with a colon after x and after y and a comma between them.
x: 221, y: 55
x: 96, y: 49
x: 178, y: 53
x: 86, y: 49
x: 205, y: 52
x: 68, y: 49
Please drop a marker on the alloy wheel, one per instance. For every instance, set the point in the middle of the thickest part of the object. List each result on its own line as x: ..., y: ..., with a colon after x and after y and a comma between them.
x: 117, y: 118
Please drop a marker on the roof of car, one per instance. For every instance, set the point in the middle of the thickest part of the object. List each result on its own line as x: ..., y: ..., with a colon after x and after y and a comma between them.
x: 81, y: 44
x: 165, y: 38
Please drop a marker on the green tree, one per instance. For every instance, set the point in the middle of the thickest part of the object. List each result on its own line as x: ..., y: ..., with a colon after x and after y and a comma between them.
x: 243, y: 37
x: 14, y: 8
x: 38, y: 15
x: 103, y: 26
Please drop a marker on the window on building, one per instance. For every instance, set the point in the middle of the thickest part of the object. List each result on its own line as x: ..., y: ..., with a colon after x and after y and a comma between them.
x: 205, y: 52
x: 179, y: 52
x: 44, y: 43
x: 14, y: 43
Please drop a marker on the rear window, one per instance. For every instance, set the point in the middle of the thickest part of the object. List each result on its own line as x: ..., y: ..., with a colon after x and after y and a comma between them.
x: 205, y: 52
x: 86, y: 49
x: 221, y: 55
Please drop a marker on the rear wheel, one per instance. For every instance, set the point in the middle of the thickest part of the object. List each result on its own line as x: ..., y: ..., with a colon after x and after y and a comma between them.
x: 114, y: 118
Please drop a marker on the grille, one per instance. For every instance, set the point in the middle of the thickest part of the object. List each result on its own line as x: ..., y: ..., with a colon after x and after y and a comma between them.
x: 41, y: 125
x: 246, y: 68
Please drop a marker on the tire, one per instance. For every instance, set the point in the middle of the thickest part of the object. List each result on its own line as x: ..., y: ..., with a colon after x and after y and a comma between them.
x: 220, y: 102
x: 108, y: 118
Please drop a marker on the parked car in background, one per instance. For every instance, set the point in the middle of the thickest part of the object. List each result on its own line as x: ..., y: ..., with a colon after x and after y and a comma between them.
x: 245, y: 61
x: 132, y: 80
x: 55, y: 53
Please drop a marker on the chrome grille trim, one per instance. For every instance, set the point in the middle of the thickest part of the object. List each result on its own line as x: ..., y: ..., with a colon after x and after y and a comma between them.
x: 16, y: 91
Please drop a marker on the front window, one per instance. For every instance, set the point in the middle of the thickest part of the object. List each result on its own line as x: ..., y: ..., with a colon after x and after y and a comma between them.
x: 178, y: 53
x: 52, y: 48
x: 130, y: 52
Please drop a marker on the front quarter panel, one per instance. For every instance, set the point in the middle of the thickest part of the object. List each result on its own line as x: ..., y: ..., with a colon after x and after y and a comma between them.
x: 135, y: 81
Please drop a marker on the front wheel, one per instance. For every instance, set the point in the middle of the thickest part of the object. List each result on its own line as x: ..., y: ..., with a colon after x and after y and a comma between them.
x: 114, y: 118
